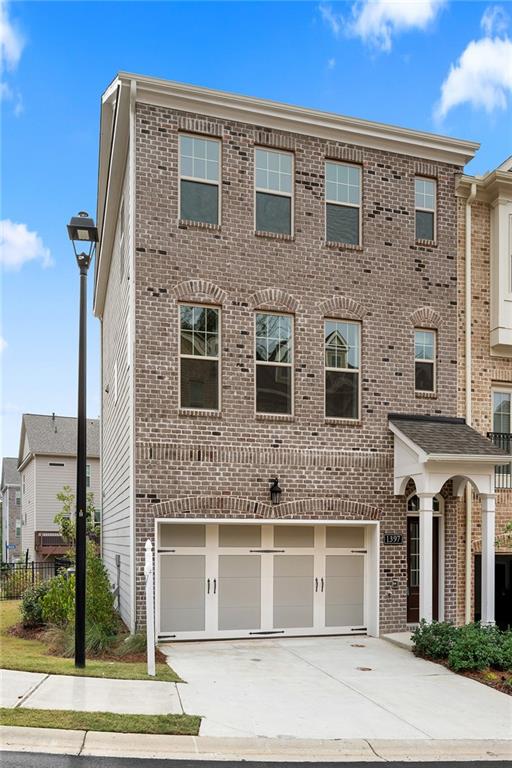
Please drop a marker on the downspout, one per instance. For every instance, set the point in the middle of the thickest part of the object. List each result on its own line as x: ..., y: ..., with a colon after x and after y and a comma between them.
x: 469, y: 409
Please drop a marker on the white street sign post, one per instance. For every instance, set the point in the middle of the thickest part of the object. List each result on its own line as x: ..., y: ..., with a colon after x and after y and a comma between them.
x: 150, y: 608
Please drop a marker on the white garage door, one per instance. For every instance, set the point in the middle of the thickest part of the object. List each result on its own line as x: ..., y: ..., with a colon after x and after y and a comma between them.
x: 248, y: 580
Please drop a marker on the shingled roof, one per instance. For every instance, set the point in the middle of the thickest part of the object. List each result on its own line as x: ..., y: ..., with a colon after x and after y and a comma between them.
x: 445, y: 436
x: 56, y: 435
x: 10, y: 474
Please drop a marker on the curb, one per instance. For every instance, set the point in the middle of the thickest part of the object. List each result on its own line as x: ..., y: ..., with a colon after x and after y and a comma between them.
x: 101, y: 744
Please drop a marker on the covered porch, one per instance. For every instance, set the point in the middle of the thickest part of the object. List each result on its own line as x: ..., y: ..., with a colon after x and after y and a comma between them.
x: 431, y: 451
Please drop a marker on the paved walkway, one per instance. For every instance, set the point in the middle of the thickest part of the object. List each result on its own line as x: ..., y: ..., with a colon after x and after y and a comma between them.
x: 332, y: 688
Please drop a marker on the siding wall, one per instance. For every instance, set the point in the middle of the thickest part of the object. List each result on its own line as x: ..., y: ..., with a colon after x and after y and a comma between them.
x: 115, y: 418
x: 52, y: 479
x: 28, y: 500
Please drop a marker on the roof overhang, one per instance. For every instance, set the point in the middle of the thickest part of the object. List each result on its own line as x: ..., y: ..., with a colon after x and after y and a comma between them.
x: 489, y: 188
x: 430, y: 471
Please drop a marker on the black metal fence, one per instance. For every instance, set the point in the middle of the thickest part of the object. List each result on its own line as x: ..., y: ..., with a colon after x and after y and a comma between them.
x: 503, y: 473
x: 15, y: 578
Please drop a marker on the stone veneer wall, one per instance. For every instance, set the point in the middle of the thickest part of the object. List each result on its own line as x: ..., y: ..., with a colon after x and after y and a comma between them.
x: 328, y: 470
x: 487, y: 370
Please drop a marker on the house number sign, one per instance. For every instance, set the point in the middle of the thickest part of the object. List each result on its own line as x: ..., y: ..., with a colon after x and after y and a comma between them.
x: 393, y: 538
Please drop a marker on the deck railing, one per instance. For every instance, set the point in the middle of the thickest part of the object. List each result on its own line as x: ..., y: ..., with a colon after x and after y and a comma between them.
x: 50, y: 543
x: 503, y: 472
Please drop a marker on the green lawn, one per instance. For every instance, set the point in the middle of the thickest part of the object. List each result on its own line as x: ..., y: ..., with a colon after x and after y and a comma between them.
x: 184, y: 725
x: 32, y: 656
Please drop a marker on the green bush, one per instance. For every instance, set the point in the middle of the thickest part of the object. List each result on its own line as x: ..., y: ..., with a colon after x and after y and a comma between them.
x: 100, y: 610
x: 58, y: 604
x: 434, y: 641
x: 61, y: 640
x: 132, y: 644
x: 503, y: 658
x: 32, y: 604
x: 475, y: 648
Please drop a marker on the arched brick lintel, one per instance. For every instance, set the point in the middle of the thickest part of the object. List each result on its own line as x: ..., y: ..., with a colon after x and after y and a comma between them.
x: 426, y: 317
x: 273, y: 298
x: 199, y: 290
x: 240, y: 507
x: 343, y: 306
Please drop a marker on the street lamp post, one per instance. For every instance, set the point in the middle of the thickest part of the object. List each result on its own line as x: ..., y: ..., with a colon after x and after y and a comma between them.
x: 81, y: 230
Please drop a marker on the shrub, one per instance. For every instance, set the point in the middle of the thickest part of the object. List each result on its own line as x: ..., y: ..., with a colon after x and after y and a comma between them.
x: 58, y: 605
x: 61, y: 640
x: 475, y: 647
x: 32, y: 604
x: 435, y: 640
x: 132, y: 644
x: 503, y: 659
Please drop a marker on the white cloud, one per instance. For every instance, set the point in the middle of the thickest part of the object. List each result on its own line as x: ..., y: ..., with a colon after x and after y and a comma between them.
x: 3, y: 344
x: 11, y: 40
x: 331, y: 63
x: 494, y: 21
x: 18, y: 245
x: 482, y: 76
x: 377, y: 21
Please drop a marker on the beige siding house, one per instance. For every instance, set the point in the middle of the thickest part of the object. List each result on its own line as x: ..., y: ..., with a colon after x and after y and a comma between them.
x: 46, y: 463
x: 11, y: 511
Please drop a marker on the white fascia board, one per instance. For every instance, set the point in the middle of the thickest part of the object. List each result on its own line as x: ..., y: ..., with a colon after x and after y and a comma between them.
x: 301, y: 120
x: 419, y: 452
x: 461, y: 458
x: 493, y: 185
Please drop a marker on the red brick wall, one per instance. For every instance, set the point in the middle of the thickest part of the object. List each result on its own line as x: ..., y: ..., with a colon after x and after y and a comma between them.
x: 384, y: 282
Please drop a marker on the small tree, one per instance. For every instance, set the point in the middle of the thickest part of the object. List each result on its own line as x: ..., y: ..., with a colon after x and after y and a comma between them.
x: 66, y: 518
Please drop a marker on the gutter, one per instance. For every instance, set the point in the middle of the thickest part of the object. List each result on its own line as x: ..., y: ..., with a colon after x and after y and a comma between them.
x: 469, y: 407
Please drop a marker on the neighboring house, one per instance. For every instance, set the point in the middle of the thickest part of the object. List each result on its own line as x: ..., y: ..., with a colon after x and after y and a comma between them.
x: 11, y: 511
x: 46, y: 463
x: 485, y: 385
x: 277, y: 289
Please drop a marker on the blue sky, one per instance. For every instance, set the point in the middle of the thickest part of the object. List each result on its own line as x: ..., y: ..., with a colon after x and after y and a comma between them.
x: 434, y: 65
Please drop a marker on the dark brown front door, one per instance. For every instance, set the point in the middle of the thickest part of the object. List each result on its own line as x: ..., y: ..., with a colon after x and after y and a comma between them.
x: 413, y: 570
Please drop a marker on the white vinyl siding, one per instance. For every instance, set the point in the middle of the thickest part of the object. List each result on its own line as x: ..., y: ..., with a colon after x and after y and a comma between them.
x: 52, y: 474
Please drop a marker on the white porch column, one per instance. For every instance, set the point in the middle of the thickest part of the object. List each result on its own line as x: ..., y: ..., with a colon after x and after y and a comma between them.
x: 426, y: 526
x: 488, y: 557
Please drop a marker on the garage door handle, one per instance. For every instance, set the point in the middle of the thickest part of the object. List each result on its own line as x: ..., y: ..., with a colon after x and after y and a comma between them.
x: 208, y: 586
x: 215, y: 586
x: 321, y: 585
x: 316, y: 585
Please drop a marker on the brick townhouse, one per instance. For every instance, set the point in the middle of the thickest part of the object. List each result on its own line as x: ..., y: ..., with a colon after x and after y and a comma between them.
x: 485, y: 366
x: 277, y: 290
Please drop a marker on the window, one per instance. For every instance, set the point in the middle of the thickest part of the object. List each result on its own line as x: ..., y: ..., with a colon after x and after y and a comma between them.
x: 97, y: 516
x: 274, y: 191
x: 87, y: 475
x: 199, y: 357
x: 424, y: 361
x: 121, y: 241
x: 425, y: 205
x: 501, y: 411
x: 274, y: 358
x: 199, y: 179
x: 18, y: 527
x: 502, y: 428
x: 343, y: 203
x: 18, y: 498
x: 342, y: 368
x: 413, y: 504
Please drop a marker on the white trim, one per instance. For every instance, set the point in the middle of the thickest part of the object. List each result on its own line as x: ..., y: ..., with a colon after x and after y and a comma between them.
x: 217, y: 359
x: 426, y: 210
x: 275, y: 364
x: 217, y: 183
x: 131, y: 375
x: 442, y: 549
x: 371, y: 575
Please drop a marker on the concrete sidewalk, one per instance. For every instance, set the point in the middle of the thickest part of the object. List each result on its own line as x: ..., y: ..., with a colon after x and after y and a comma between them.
x: 96, y: 744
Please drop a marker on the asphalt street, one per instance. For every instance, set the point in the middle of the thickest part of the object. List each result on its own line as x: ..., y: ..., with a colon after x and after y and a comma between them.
x: 35, y: 760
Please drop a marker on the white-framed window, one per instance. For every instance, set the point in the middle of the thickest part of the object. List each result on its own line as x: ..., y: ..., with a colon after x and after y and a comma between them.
x: 18, y: 527
x: 424, y: 360
x: 342, y: 203
x: 502, y: 429
x: 274, y: 362
x: 18, y: 498
x: 274, y: 191
x: 199, y: 164
x: 199, y: 357
x: 121, y: 240
x: 342, y: 354
x: 87, y: 475
x: 425, y: 191
x: 97, y: 516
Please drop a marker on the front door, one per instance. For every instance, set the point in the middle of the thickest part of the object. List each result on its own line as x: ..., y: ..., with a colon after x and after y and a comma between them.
x: 413, y: 569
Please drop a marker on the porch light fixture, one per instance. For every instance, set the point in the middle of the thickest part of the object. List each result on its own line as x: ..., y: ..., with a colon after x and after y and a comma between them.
x: 275, y: 491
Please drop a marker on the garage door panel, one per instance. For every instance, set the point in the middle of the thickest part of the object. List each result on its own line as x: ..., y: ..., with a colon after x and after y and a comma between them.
x: 293, y: 591
x: 239, y: 592
x: 344, y: 590
x: 182, y: 593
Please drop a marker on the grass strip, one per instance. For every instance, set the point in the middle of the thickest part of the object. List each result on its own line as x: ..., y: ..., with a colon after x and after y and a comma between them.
x: 173, y: 725
x: 25, y: 655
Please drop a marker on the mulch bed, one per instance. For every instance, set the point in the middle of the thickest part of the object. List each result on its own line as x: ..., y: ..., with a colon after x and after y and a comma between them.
x: 494, y: 678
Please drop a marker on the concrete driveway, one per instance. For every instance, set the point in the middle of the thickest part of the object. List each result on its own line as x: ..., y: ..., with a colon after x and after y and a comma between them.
x: 332, y: 688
